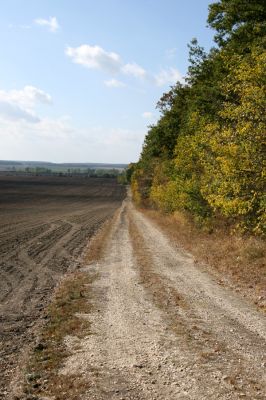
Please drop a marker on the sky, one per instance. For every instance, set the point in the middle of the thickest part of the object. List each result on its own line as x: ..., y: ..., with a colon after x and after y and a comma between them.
x: 80, y: 79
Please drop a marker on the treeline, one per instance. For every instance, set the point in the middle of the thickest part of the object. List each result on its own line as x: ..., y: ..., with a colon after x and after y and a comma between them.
x: 206, y: 154
x: 85, y: 172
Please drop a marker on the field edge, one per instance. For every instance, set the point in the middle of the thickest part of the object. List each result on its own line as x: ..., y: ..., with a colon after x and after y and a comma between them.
x: 37, y: 374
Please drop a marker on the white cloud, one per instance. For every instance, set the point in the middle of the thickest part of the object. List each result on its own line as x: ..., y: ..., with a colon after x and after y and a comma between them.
x: 94, y: 57
x: 114, y: 83
x: 26, y: 135
x: 168, y: 77
x: 147, y: 115
x: 18, y: 116
x: 51, y: 23
x: 26, y: 97
x: 20, y: 104
x: 13, y: 112
x: 135, y: 70
x: 41, y: 129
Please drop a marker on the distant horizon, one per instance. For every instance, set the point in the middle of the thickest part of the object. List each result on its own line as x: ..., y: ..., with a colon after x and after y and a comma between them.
x: 2, y: 161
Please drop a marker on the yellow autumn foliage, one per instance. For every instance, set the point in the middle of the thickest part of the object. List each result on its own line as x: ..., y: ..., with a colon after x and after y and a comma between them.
x: 233, y: 177
x: 217, y: 121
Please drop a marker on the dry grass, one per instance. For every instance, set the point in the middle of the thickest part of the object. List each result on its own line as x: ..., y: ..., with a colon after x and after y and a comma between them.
x: 235, y: 260
x: 98, y: 243
x: 72, y: 297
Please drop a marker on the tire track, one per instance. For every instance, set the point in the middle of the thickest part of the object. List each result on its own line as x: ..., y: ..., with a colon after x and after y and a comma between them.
x: 162, y: 328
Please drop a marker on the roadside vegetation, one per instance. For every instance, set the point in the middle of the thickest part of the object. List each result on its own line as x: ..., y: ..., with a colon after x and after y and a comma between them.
x: 237, y: 261
x: 205, y: 157
x: 49, y: 353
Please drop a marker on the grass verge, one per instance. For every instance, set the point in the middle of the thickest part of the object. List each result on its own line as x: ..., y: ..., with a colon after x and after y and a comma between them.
x: 48, y: 355
x: 98, y: 243
x: 239, y: 262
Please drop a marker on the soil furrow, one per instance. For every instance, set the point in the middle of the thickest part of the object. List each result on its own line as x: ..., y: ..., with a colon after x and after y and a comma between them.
x: 37, y: 227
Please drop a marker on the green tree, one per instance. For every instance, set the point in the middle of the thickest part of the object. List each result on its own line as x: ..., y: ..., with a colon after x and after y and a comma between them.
x: 241, y: 21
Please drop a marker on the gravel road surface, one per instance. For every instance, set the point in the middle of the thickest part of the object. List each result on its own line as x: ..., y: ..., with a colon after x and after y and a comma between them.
x: 162, y: 328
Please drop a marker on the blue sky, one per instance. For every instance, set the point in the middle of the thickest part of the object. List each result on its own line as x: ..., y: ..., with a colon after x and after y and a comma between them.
x: 79, y: 80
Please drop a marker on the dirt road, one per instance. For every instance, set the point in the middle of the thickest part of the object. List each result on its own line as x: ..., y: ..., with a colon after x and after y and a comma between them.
x: 162, y: 328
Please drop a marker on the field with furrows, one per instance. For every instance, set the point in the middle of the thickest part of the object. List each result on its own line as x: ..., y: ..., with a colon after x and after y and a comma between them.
x: 45, y: 223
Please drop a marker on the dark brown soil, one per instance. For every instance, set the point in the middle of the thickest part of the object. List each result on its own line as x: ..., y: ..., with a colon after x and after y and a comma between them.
x: 45, y: 223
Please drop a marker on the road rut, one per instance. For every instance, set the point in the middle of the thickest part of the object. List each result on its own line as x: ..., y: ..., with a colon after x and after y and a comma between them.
x: 162, y: 328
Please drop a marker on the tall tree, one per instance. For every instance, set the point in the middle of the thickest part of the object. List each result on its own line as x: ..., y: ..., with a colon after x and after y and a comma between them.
x: 239, y: 20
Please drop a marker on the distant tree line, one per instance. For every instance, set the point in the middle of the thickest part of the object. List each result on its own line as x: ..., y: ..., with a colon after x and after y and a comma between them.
x: 206, y: 154
x: 85, y: 172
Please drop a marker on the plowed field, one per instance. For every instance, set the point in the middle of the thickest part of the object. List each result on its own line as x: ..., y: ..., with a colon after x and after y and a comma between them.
x: 45, y: 223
